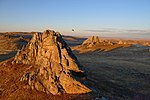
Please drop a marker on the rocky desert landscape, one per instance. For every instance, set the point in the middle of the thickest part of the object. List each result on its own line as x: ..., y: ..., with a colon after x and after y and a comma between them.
x: 47, y: 65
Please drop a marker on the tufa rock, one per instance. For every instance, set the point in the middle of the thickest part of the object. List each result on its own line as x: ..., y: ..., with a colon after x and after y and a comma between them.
x: 53, y: 68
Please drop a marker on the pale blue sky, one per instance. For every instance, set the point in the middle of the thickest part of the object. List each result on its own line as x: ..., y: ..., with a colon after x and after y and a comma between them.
x: 85, y: 16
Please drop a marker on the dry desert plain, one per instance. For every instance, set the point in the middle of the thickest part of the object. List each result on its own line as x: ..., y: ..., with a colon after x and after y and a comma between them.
x: 117, y: 69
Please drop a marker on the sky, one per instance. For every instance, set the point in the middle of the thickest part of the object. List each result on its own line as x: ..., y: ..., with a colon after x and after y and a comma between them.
x: 117, y: 18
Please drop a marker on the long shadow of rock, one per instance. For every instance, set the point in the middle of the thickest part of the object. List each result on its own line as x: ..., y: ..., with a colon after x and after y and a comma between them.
x: 9, y: 55
x: 20, y: 43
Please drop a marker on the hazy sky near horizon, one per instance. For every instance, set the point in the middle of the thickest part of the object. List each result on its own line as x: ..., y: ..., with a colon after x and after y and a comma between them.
x: 87, y: 17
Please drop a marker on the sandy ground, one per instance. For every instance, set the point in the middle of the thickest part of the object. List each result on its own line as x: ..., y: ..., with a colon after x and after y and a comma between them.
x: 118, y: 74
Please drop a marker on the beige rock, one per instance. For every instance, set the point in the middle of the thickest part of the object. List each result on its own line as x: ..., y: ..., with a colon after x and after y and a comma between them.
x: 52, y: 65
x: 122, y: 42
x: 92, y: 40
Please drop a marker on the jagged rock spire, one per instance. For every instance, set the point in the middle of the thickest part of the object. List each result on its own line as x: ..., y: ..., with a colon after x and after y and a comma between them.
x: 51, y: 65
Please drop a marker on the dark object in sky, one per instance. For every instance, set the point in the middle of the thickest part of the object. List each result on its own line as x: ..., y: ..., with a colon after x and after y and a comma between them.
x: 72, y: 30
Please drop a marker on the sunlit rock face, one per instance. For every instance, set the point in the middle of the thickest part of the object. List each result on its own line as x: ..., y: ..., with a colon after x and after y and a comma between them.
x: 95, y: 41
x: 51, y: 65
x: 91, y: 41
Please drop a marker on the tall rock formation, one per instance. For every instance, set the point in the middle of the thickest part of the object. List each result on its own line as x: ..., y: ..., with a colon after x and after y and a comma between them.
x: 53, y: 68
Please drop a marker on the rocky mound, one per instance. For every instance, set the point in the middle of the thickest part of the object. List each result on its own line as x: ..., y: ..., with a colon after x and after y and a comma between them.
x: 95, y: 43
x: 51, y: 65
x: 91, y: 41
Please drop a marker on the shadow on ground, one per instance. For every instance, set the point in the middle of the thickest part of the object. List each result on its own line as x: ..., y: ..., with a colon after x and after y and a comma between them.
x: 9, y: 55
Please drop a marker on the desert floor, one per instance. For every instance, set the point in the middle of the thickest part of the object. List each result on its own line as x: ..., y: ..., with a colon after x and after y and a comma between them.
x: 119, y: 74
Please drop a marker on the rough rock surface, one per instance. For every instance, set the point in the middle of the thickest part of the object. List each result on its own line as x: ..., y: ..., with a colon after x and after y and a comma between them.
x: 122, y: 42
x: 91, y: 41
x: 96, y: 41
x: 52, y: 67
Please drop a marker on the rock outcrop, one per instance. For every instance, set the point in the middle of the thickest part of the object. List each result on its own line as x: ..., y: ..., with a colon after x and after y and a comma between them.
x: 96, y: 41
x: 91, y: 41
x: 52, y: 67
x: 122, y: 42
